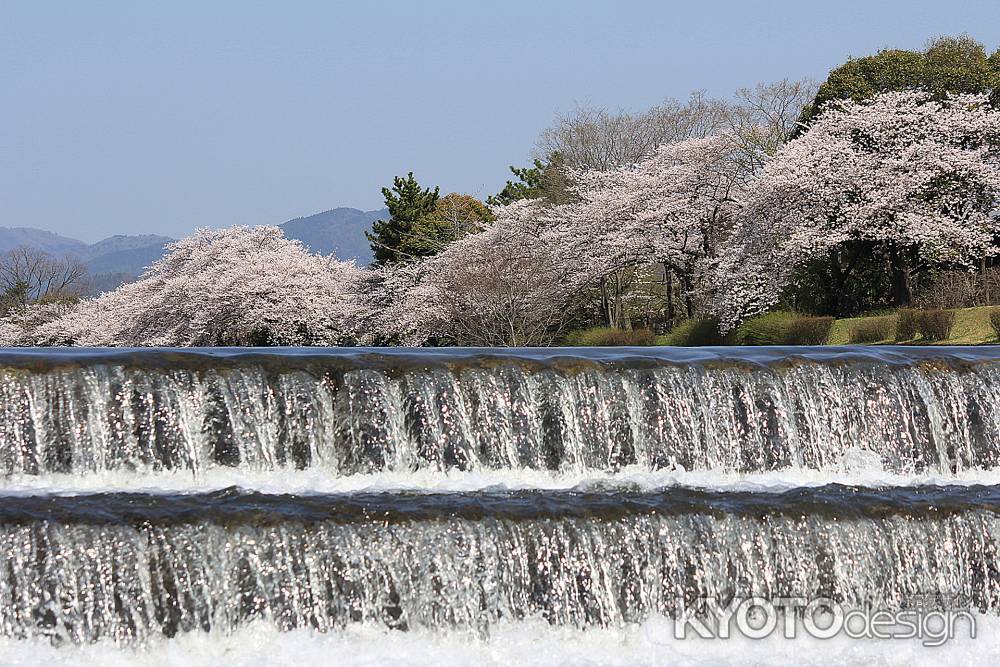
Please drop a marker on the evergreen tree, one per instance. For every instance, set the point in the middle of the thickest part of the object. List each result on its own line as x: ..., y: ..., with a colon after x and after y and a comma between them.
x: 407, y: 203
x: 454, y: 216
x: 543, y: 180
x: 14, y: 299
x: 947, y: 65
x: 527, y: 186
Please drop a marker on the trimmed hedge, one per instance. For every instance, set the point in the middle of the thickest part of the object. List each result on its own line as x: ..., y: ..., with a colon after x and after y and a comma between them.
x: 936, y: 324
x: 696, y: 333
x: 871, y: 330
x: 808, y: 331
x: 995, y: 321
x: 777, y: 328
x: 784, y: 328
x: 907, y: 324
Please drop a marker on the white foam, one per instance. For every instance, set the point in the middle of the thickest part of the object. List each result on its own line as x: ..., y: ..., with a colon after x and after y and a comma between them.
x: 524, y: 643
x: 427, y: 481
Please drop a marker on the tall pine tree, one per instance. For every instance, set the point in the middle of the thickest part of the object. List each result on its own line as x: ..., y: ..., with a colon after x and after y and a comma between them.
x: 544, y: 180
x: 407, y: 203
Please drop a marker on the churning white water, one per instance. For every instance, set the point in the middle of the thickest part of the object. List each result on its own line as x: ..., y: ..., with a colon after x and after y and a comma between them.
x: 309, y: 481
x: 133, y: 567
x: 531, y: 643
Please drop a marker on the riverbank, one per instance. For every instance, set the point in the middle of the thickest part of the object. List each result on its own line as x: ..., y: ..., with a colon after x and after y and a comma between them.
x: 971, y: 327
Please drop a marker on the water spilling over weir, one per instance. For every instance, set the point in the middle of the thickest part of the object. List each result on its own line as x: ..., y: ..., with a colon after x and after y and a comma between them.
x: 134, y: 567
x: 138, y: 567
x: 362, y: 411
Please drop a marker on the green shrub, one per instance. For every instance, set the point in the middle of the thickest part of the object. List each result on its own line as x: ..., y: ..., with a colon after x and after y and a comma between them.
x: 766, y: 329
x: 935, y: 325
x: 784, y: 328
x: 995, y: 321
x: 808, y: 331
x: 907, y: 324
x: 610, y: 337
x: 695, y: 333
x: 871, y: 330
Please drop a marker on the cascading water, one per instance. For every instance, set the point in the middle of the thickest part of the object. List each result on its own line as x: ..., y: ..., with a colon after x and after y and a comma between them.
x: 133, y: 567
x: 362, y: 411
x: 149, y: 567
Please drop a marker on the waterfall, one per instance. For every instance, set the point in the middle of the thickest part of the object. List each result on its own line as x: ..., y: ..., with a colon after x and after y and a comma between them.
x: 365, y: 412
x: 137, y: 565
x: 129, y: 569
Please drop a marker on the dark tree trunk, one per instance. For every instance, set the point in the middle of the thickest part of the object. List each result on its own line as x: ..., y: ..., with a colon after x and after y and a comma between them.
x: 836, y: 285
x: 686, y: 285
x: 902, y: 293
x: 840, y: 274
x: 985, y: 279
x: 668, y: 283
x: 606, y: 307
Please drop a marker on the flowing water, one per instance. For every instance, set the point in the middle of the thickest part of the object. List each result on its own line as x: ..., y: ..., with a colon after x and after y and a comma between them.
x: 487, y: 505
x: 351, y: 412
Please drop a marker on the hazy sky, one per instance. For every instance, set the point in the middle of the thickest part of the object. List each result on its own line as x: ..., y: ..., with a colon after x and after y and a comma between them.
x: 160, y: 117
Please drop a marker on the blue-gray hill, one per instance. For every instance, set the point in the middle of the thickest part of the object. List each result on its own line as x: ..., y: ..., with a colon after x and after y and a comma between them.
x: 340, y: 231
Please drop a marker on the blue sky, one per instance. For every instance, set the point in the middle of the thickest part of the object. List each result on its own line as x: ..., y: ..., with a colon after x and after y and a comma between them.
x: 160, y: 117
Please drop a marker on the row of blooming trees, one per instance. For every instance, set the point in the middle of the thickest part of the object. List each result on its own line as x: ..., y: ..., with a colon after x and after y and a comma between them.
x: 904, y: 178
x: 907, y: 179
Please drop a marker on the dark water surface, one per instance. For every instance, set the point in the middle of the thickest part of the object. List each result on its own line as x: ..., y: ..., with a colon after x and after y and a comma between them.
x: 234, y: 506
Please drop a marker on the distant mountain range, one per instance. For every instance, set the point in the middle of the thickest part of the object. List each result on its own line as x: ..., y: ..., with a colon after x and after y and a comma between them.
x: 340, y: 231
x: 122, y: 258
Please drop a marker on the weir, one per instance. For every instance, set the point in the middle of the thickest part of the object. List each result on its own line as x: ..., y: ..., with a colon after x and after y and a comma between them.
x: 365, y: 411
x: 136, y: 567
x: 132, y: 568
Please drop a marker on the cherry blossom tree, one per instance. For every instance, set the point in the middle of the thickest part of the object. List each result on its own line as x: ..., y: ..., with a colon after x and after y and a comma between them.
x: 234, y: 286
x: 905, y: 176
x: 669, y: 210
x: 388, y: 311
x: 506, y: 285
x: 11, y: 332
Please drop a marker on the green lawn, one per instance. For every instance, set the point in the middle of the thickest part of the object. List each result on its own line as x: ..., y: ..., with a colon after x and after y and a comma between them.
x: 972, y: 327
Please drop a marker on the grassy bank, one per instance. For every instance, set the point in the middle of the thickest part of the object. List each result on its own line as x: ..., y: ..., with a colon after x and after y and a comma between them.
x: 971, y: 327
